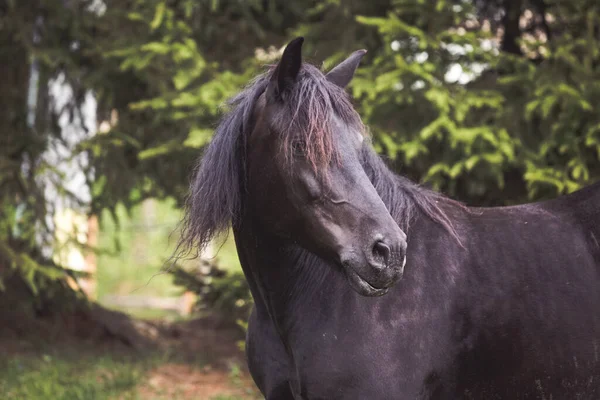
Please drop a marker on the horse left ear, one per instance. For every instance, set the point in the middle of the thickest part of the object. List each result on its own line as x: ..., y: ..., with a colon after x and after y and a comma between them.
x: 287, y: 70
x: 343, y: 73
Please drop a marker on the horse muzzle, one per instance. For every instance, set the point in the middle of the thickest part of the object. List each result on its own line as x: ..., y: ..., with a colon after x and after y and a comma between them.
x: 378, y: 268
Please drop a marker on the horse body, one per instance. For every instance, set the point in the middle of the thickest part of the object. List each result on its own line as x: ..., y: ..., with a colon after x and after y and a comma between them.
x: 511, y: 312
x: 494, y: 303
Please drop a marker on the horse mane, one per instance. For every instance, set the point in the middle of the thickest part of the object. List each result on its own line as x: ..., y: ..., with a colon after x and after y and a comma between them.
x: 216, y: 190
x: 404, y: 197
x: 218, y: 181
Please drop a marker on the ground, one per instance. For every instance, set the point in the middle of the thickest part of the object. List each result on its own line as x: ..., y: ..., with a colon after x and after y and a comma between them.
x: 196, y: 359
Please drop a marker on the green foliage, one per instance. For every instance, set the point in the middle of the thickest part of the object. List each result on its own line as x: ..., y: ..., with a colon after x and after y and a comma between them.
x: 37, y: 276
x: 159, y: 81
x: 220, y: 290
x: 508, y: 128
x: 491, y: 110
x: 173, y: 80
x: 133, y: 252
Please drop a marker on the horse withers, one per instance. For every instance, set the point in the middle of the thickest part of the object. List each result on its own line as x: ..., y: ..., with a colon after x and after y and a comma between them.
x: 368, y: 286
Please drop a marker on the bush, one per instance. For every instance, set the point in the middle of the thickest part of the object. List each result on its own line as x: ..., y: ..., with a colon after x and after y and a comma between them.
x: 222, y: 291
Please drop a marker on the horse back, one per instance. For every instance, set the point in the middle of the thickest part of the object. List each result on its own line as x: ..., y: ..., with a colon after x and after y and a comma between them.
x: 527, y: 311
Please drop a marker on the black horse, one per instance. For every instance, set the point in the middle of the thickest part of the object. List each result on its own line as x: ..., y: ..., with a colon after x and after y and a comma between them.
x: 494, y: 303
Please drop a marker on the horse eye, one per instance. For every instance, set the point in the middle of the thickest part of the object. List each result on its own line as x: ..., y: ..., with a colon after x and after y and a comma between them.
x: 299, y: 148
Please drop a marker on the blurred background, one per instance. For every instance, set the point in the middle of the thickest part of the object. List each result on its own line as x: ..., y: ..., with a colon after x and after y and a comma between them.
x: 106, y: 105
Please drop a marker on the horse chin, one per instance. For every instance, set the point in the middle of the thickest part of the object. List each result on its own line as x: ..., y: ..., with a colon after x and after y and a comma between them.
x: 361, y: 286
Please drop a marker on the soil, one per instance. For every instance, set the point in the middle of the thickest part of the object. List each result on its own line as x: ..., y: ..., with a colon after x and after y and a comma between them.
x: 211, y: 341
x: 184, y: 382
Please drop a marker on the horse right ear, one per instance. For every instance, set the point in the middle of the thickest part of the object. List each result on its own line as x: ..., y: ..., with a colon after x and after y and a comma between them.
x: 285, y: 74
x: 343, y: 73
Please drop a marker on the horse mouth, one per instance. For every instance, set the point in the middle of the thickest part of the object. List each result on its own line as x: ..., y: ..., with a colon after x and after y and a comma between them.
x: 360, y: 285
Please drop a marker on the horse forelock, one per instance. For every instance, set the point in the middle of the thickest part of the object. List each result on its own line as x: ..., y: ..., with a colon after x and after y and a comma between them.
x: 308, y: 116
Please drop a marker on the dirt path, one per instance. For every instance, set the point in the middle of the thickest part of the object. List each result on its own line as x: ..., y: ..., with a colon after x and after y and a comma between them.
x: 208, y: 341
x: 180, y: 381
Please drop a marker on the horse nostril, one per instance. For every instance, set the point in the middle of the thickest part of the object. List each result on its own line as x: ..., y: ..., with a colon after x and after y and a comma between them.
x: 381, y: 251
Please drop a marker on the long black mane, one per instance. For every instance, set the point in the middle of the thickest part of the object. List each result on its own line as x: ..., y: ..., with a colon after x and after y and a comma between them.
x: 215, y: 196
x: 219, y: 182
x: 405, y: 198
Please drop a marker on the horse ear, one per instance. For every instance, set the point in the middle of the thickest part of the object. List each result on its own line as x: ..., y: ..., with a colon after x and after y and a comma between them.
x: 342, y: 74
x: 288, y: 68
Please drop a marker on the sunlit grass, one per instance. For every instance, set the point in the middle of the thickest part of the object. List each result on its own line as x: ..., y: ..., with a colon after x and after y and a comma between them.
x: 70, y: 377
x: 84, y: 374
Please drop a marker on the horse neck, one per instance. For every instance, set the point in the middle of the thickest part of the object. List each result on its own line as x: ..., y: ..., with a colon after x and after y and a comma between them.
x: 281, y: 275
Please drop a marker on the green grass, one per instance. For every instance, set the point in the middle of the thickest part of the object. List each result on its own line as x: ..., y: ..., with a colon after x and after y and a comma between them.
x: 71, y: 372
x: 70, y: 377
x: 81, y: 373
